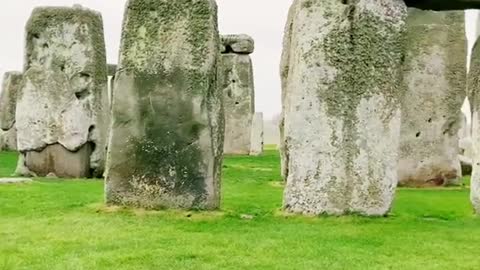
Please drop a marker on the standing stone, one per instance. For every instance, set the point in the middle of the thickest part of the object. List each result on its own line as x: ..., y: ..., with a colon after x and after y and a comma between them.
x: 166, y: 146
x: 474, y: 96
x: 8, y: 104
x: 342, y: 88
x: 62, y: 104
x: 257, y: 135
x: 236, y: 82
x: 435, y: 78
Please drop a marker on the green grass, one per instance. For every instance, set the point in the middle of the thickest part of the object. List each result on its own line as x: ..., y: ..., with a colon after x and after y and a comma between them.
x: 64, y: 225
x: 8, y: 163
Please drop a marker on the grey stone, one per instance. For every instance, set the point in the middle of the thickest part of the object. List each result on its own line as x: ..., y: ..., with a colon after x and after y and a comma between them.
x: 236, y: 82
x: 474, y: 97
x: 8, y: 104
x: 166, y: 142
x: 435, y: 78
x: 5, y: 181
x: 257, y: 141
x: 57, y: 160
x: 63, y: 96
x: 341, y: 93
x: 242, y: 44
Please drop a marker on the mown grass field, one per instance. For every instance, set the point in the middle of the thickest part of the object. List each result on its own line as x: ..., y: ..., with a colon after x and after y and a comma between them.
x: 64, y: 225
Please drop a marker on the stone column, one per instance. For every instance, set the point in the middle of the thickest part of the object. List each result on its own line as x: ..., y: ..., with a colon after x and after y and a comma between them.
x: 8, y: 105
x: 236, y: 82
x: 166, y: 143
x: 342, y: 89
x: 257, y: 135
x: 435, y: 78
x: 61, y: 109
x: 474, y: 96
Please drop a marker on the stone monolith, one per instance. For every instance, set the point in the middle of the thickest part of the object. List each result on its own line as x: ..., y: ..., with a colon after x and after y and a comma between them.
x: 435, y: 79
x: 62, y: 104
x: 341, y: 94
x: 474, y: 97
x: 166, y: 143
x: 257, y: 138
x: 236, y: 82
x: 8, y: 103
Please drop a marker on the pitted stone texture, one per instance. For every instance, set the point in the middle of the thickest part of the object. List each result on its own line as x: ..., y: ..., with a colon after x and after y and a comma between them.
x: 63, y: 98
x: 342, y: 89
x: 166, y: 144
x: 257, y: 135
x: 242, y: 44
x: 435, y: 77
x: 237, y: 84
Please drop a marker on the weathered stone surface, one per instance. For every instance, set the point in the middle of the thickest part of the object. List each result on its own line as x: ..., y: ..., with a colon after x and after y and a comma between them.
x: 63, y: 97
x: 236, y: 82
x: 444, y: 4
x: 6, y: 181
x: 166, y: 146
x: 8, y: 140
x: 8, y: 103
x: 242, y: 44
x: 56, y: 159
x: 257, y: 135
x: 474, y: 97
x: 434, y: 75
x: 342, y: 88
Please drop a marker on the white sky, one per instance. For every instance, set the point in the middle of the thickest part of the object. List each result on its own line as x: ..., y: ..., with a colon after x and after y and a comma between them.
x: 264, y: 20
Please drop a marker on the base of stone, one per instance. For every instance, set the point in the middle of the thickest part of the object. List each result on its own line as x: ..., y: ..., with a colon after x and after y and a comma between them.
x: 4, y: 181
x: 441, y: 180
x: 56, y: 159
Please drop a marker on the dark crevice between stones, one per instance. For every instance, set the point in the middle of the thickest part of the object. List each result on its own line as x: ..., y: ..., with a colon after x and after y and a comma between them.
x: 228, y: 49
x: 444, y: 4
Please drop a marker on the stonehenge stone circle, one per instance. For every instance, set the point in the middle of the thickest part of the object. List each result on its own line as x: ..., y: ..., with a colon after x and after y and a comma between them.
x: 236, y: 82
x: 257, y: 140
x: 8, y: 103
x: 62, y: 103
x: 166, y: 142
x: 435, y: 79
x: 342, y: 88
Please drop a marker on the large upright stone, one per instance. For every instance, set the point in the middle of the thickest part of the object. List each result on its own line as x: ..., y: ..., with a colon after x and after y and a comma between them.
x: 257, y: 137
x: 166, y: 146
x: 236, y: 82
x: 62, y: 106
x: 474, y: 95
x: 435, y: 78
x: 342, y: 88
x: 8, y: 104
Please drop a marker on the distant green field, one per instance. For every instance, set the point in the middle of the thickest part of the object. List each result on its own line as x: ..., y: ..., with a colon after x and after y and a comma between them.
x: 64, y: 225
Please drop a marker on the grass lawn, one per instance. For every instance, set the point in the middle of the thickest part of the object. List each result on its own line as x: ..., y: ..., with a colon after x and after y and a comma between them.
x: 64, y: 225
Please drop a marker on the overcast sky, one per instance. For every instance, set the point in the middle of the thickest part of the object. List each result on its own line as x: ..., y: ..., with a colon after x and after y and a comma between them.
x: 264, y: 20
